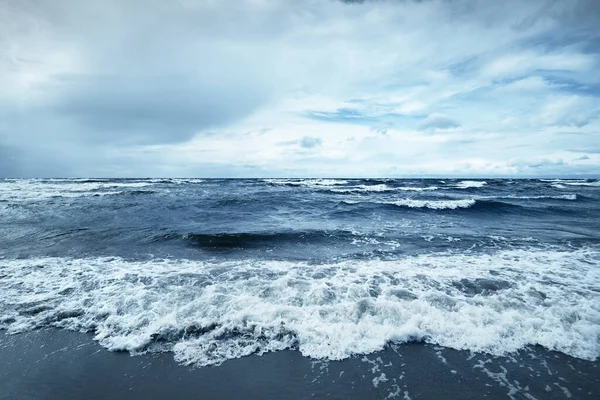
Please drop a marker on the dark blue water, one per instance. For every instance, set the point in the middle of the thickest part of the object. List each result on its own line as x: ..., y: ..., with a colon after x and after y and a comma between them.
x: 214, y: 269
x: 315, y: 220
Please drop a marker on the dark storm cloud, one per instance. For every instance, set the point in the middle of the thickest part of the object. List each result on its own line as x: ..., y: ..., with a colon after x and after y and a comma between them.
x: 31, y: 163
x: 143, y: 72
x: 149, y: 109
x: 9, y: 162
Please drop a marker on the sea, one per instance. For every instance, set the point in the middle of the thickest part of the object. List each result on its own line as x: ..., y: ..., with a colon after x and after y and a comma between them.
x: 210, y: 270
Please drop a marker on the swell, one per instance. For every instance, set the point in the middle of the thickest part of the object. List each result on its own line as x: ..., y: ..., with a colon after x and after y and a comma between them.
x: 428, y: 205
x: 249, y: 240
x: 135, y: 192
x: 370, y: 189
x: 495, y: 203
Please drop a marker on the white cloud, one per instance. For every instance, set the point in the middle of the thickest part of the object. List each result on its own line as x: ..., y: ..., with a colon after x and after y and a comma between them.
x: 569, y: 110
x: 105, y: 87
x: 515, y: 65
x: 436, y: 122
x: 309, y: 142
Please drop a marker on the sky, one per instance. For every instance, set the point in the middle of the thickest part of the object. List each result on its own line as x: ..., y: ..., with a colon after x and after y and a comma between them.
x: 289, y: 88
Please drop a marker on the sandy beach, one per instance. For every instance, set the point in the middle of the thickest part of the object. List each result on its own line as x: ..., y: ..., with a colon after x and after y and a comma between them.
x: 53, y: 364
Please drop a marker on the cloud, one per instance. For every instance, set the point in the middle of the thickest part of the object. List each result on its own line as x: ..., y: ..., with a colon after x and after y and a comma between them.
x: 351, y: 115
x: 435, y: 122
x: 234, y: 87
x: 9, y: 162
x: 16, y: 162
x: 569, y: 110
x: 136, y: 109
x: 309, y: 142
x: 591, y: 150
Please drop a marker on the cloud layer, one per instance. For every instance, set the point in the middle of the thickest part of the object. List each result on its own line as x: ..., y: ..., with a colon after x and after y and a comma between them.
x: 287, y: 88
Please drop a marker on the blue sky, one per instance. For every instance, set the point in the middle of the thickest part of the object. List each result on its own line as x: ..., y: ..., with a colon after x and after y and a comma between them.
x: 253, y: 88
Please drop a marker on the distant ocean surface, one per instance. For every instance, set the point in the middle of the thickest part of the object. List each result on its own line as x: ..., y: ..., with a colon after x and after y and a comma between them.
x: 218, y: 269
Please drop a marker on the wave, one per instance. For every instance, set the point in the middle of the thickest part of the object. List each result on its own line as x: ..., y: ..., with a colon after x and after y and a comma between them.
x: 85, y: 180
x: 39, y: 190
x: 379, y: 188
x: 246, y: 240
x: 470, y: 184
x: 480, y: 202
x: 435, y: 204
x: 362, y: 188
x: 416, y: 189
x: 413, y: 203
x: 385, y: 187
x: 179, y: 181
x: 571, y: 196
x: 594, y: 184
x: 306, y: 182
x: 208, y: 312
x: 135, y: 192
x: 559, y: 183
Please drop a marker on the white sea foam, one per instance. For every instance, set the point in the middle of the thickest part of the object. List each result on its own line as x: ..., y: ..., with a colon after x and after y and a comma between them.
x: 179, y: 181
x: 416, y: 189
x: 570, y: 182
x: 570, y: 196
x: 460, y: 203
x: 431, y: 204
x: 38, y: 189
x: 307, y: 182
x: 435, y: 204
x: 381, y: 188
x: 210, y: 312
x: 594, y: 184
x: 331, y: 184
x: 363, y: 188
x: 470, y: 184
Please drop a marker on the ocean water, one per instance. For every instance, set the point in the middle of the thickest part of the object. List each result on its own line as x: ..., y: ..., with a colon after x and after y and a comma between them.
x: 212, y: 270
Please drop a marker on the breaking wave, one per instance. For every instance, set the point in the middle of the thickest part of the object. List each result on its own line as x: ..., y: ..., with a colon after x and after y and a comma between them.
x: 422, y: 204
x: 470, y: 184
x: 571, y: 196
x: 44, y: 189
x: 206, y: 313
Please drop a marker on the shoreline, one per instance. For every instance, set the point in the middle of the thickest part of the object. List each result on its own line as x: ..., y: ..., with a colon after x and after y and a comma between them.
x: 48, y: 364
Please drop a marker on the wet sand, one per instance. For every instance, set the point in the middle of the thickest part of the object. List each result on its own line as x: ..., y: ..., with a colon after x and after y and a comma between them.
x: 53, y: 364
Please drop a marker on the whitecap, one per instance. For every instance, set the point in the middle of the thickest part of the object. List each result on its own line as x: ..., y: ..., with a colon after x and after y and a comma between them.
x: 435, y: 204
x: 414, y: 203
x: 307, y: 182
x: 570, y: 196
x: 559, y: 183
x: 208, y: 312
x: 362, y: 188
x: 39, y: 190
x: 470, y: 184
